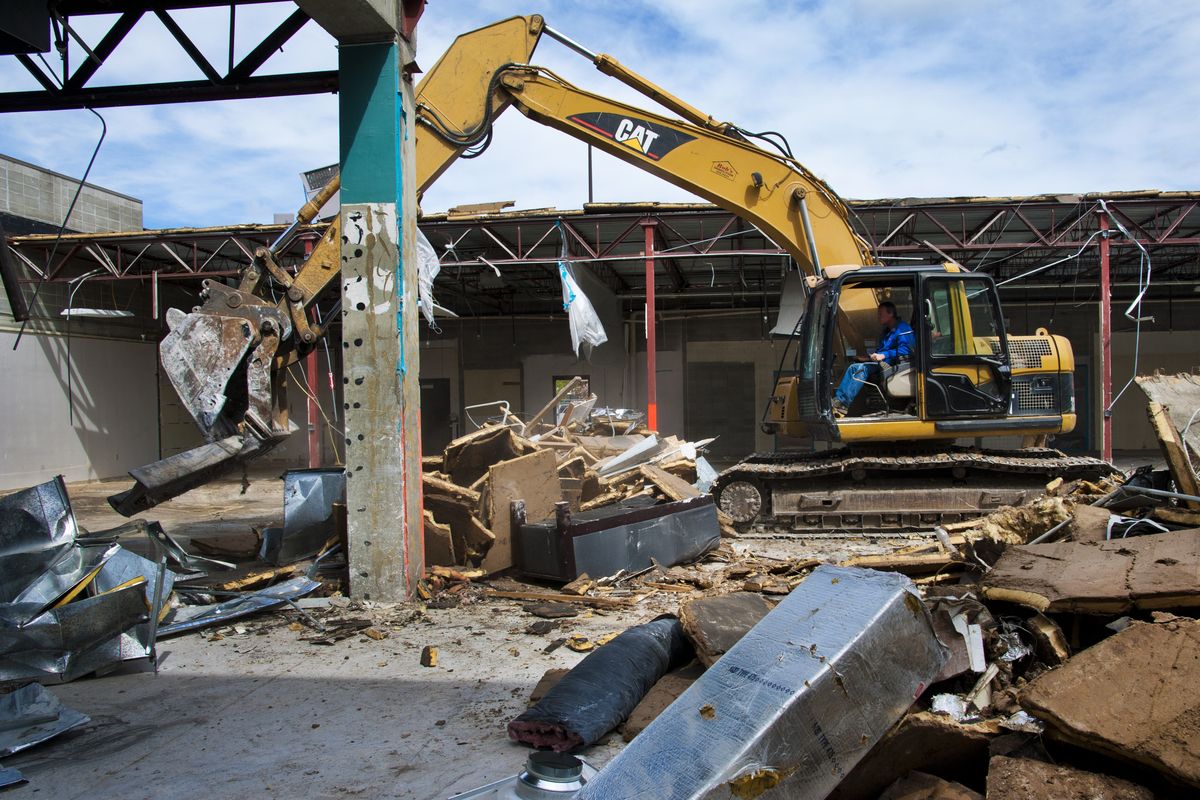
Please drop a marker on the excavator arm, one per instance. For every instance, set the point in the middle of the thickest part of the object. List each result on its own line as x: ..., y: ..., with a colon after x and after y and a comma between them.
x: 228, y: 358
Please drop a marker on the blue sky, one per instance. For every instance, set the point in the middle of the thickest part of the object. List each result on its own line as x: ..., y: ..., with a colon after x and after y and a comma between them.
x: 882, y: 98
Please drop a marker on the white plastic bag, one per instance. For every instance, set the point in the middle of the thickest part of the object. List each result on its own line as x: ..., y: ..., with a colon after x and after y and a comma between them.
x: 586, y: 327
x: 428, y: 267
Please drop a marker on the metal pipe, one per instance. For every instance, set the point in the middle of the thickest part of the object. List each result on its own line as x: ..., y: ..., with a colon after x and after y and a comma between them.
x: 1157, y: 493
x: 307, y: 214
x: 562, y: 38
x: 808, y: 237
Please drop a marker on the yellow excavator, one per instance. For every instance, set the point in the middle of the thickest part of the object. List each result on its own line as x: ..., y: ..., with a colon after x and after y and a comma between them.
x: 228, y: 358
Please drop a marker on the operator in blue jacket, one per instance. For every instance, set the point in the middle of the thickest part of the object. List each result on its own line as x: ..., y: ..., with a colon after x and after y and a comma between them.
x: 896, y: 341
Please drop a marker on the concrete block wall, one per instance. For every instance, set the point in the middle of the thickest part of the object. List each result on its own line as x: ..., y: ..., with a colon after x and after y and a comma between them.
x: 29, y: 191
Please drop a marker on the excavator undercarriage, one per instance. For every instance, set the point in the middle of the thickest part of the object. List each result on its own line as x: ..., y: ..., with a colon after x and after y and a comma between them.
x: 867, y: 489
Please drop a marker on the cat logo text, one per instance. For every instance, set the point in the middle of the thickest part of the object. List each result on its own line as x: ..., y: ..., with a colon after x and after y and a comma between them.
x: 642, y: 137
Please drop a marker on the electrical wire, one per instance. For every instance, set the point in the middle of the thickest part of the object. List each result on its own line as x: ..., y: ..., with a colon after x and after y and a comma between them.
x: 61, y: 228
x: 1045, y: 267
x: 330, y: 428
x: 1144, y: 272
x: 782, y: 145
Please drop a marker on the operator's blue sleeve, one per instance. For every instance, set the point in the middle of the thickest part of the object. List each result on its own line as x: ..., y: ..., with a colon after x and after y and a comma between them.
x: 900, y: 343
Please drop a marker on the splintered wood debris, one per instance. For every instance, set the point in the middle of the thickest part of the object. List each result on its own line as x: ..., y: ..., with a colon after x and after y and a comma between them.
x: 585, y: 458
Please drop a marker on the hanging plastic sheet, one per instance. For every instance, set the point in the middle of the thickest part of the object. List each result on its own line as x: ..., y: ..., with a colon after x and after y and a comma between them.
x: 586, y: 328
x: 428, y: 267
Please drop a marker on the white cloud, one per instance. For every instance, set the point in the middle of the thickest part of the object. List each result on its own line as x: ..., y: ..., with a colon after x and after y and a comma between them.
x: 880, y: 97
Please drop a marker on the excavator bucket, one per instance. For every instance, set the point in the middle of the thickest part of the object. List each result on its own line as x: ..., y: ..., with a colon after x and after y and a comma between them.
x: 223, y: 367
x: 200, y: 355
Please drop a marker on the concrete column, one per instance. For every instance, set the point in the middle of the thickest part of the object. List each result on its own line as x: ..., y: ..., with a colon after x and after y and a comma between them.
x: 379, y: 322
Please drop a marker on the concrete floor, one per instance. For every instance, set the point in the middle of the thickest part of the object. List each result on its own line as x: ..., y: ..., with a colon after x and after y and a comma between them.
x: 264, y: 713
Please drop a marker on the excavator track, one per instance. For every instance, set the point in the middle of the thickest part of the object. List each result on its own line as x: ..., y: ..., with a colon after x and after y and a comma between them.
x: 874, y: 491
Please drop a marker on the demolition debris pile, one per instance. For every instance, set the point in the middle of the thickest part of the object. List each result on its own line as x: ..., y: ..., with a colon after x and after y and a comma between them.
x: 570, y: 476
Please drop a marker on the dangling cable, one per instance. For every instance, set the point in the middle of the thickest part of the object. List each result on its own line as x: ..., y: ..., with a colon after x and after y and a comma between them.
x: 1144, y: 271
x: 54, y: 250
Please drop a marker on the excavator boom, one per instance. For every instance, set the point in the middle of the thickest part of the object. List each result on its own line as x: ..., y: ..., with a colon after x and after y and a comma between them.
x: 228, y: 358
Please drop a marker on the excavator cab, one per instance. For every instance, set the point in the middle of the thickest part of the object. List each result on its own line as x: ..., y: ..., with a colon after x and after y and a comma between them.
x: 958, y: 382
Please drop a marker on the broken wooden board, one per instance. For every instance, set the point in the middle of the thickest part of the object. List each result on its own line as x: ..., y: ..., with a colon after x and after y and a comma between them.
x: 579, y: 586
x: 606, y: 499
x: 914, y: 564
x: 461, y: 575
x: 439, y: 544
x: 1049, y: 640
x: 1088, y: 524
x: 921, y: 741
x: 548, y: 681
x: 533, y: 479
x: 472, y: 539
x: 432, y: 484
x: 1180, y: 394
x: 1174, y: 451
x: 257, y: 578
x: 1027, y: 779
x: 565, y: 391
x: 1176, y: 516
x: 1132, y: 696
x: 672, y: 486
x: 1012, y: 524
x: 715, y: 624
x: 468, y: 457
x: 554, y: 597
x: 923, y: 786
x: 1160, y: 571
x: 661, y: 694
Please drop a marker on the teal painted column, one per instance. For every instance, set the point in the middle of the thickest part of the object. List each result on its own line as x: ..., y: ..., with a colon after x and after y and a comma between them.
x: 379, y: 318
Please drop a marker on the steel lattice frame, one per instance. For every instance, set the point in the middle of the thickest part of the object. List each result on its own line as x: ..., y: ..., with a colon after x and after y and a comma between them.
x: 708, y: 258
x: 72, y: 88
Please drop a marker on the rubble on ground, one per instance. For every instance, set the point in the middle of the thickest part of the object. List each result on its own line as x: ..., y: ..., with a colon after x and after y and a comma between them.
x: 1044, y: 650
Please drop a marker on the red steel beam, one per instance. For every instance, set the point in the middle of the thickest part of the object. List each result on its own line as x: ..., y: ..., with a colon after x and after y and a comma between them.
x: 1105, y: 341
x: 648, y: 226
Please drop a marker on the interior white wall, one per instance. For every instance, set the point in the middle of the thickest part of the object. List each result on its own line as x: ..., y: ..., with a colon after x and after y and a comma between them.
x: 1168, y: 351
x: 669, y: 388
x: 116, y: 408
